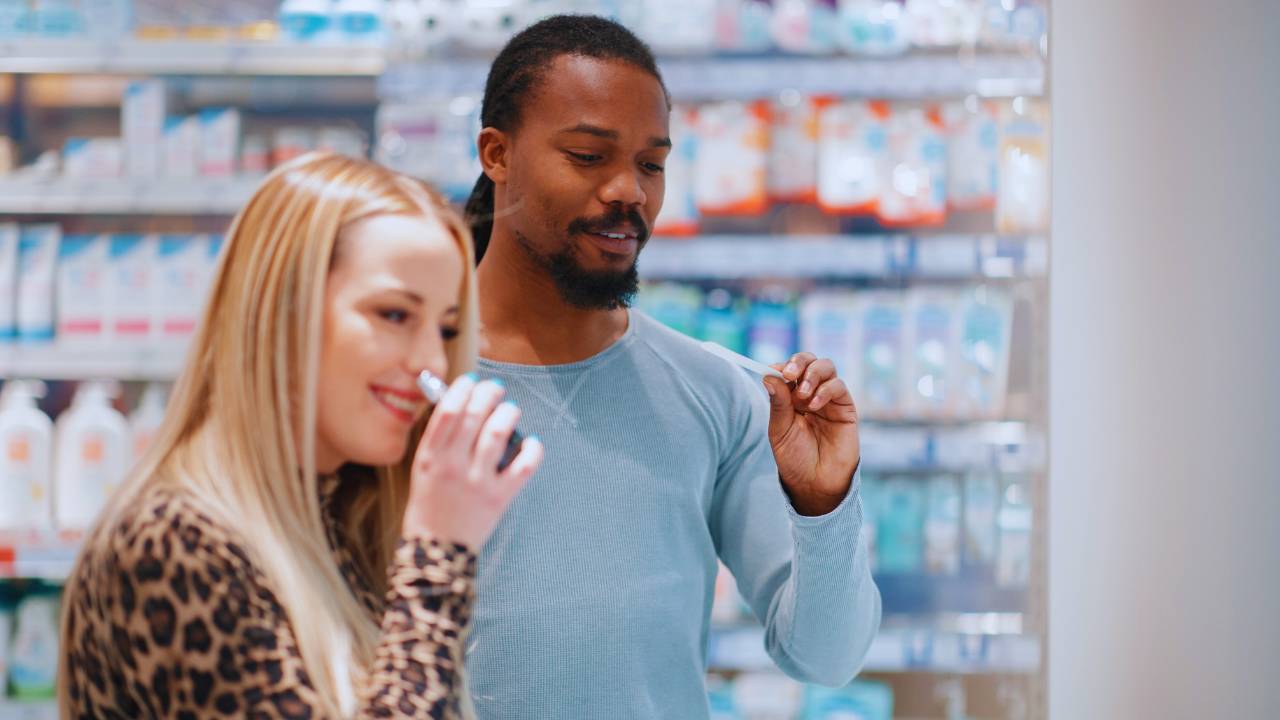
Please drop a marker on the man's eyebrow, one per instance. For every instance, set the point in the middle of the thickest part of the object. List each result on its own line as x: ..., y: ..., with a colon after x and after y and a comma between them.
x: 607, y: 134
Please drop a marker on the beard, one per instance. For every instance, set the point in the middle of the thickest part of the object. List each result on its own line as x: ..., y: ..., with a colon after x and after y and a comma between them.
x: 591, y: 289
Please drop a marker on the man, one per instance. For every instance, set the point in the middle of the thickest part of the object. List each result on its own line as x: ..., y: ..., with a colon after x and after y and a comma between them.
x: 595, y: 592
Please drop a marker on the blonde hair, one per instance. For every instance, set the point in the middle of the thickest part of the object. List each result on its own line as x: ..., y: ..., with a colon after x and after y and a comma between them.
x: 239, y: 431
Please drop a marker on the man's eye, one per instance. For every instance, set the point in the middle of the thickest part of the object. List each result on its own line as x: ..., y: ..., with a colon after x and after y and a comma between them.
x: 654, y: 167
x: 584, y: 157
x: 448, y: 333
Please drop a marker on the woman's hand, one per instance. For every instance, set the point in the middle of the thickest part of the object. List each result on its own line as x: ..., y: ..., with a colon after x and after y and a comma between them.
x: 457, y: 493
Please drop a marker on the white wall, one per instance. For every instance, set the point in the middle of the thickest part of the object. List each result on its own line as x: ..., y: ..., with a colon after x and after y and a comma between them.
x: 1165, y: 399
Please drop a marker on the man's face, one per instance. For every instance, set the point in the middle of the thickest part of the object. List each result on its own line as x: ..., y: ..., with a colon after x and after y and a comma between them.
x: 585, y: 179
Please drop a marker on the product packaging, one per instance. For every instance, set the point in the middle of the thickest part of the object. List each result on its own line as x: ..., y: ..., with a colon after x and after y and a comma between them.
x: 146, y: 419
x: 774, y: 326
x: 873, y: 27
x: 33, y: 671
x: 83, y: 299
x: 829, y: 328
x: 932, y: 342
x: 942, y: 527
x: 981, y: 503
x: 142, y: 121
x: 900, y: 536
x: 181, y: 152
x: 793, y: 147
x: 725, y: 320
x: 131, y: 268
x: 1022, y: 203
x: 973, y: 132
x: 93, y: 158
x: 219, y: 142
x: 852, y: 156
x: 881, y: 336
x: 982, y: 365
x: 9, y: 237
x: 733, y: 153
x: 913, y: 189
x: 26, y: 459
x: 679, y: 216
x: 93, y: 454
x: 37, y: 264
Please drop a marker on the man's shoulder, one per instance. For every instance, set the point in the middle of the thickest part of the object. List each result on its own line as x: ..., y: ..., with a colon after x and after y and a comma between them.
x: 687, y: 361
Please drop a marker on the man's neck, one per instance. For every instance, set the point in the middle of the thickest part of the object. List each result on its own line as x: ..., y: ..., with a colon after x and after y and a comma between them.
x: 524, y: 319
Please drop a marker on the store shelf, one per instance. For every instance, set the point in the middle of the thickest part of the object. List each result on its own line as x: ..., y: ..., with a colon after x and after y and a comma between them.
x: 187, y: 57
x: 925, y: 595
x: 119, y: 196
x: 994, y: 74
x: 893, y: 651
x: 908, y: 77
x: 945, y: 446
x: 51, y: 362
x: 38, y: 555
x: 729, y: 257
x: 28, y: 709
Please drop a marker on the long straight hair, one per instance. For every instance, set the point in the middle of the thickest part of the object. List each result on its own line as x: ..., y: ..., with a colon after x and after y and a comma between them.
x: 239, y: 431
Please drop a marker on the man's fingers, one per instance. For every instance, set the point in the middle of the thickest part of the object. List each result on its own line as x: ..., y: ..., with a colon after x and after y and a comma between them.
x: 796, y: 366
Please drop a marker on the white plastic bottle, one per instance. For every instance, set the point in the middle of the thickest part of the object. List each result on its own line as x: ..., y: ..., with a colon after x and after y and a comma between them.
x: 146, y: 419
x: 93, y: 454
x: 26, y: 459
x: 34, y: 668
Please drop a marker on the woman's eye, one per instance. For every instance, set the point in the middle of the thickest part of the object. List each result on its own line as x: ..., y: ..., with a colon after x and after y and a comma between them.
x: 393, y: 315
x: 448, y: 333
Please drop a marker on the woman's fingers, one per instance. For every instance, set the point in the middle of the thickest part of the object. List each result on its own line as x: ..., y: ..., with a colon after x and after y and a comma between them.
x: 447, y: 413
x: 484, y: 399
x: 492, y: 442
x: 525, y: 464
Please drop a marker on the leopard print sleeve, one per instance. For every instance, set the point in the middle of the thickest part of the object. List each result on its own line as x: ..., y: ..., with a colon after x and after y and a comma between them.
x: 170, y: 618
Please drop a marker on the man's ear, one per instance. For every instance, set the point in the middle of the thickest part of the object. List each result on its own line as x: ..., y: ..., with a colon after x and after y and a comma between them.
x: 495, y: 153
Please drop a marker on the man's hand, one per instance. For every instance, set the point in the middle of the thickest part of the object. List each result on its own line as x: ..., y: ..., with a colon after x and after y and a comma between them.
x: 813, y: 428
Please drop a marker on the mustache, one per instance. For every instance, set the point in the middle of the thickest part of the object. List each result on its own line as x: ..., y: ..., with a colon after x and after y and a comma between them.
x: 613, y: 221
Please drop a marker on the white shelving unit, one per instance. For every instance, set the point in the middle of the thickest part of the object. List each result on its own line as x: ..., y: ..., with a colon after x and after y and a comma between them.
x: 28, y: 709
x: 726, y: 257
x: 118, y: 196
x: 986, y: 74
x: 50, y: 362
x: 894, y: 651
x: 176, y: 57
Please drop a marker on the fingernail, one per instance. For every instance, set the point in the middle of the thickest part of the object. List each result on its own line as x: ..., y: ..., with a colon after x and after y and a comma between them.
x: 814, y: 405
x: 769, y: 387
x: 501, y: 385
x: 792, y: 368
x: 804, y: 387
x: 471, y: 376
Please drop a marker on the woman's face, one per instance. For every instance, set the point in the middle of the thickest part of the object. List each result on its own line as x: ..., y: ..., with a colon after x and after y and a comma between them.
x: 391, y: 306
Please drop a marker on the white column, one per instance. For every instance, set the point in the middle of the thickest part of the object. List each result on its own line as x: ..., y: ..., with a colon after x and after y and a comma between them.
x: 1165, y: 356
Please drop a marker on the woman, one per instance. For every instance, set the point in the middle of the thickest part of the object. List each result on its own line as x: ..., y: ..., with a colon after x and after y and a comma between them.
x: 300, y: 540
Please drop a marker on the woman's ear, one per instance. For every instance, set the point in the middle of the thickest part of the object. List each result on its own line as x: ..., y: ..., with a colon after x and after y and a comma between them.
x: 495, y: 153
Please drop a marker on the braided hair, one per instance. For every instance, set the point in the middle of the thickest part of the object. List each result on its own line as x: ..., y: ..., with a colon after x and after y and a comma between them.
x: 522, y: 65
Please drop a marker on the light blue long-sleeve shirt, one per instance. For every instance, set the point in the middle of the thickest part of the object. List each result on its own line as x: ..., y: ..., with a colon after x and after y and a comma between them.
x: 595, y: 592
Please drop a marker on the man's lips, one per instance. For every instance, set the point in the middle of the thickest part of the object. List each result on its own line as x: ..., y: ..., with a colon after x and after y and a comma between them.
x: 616, y: 243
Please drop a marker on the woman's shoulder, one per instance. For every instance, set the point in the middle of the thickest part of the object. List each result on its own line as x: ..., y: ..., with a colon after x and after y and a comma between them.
x: 167, y: 523
x: 165, y: 538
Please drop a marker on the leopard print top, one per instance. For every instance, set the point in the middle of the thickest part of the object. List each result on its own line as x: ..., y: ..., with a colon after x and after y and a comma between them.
x: 171, y: 619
